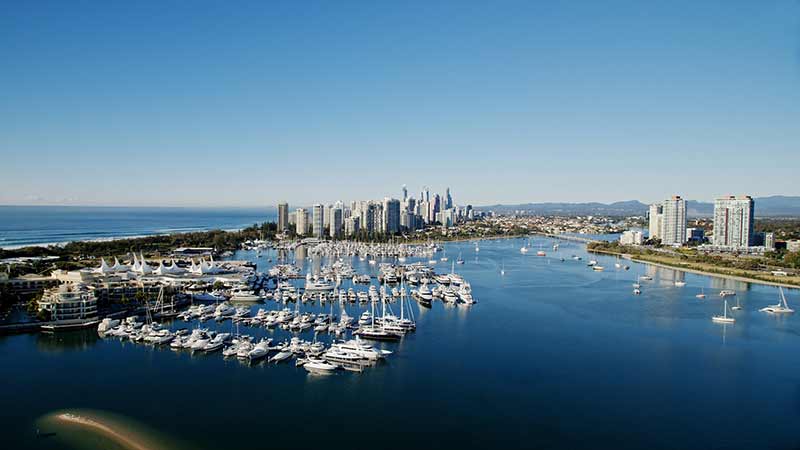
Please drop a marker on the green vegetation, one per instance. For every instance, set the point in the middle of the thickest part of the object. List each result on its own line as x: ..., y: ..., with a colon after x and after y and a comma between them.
x: 784, y: 229
x: 751, y: 267
x: 160, y: 244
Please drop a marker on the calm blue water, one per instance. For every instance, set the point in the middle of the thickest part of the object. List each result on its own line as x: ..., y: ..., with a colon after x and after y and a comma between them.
x: 553, y: 356
x: 29, y: 225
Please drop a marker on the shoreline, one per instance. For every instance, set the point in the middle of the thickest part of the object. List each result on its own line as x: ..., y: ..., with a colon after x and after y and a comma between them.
x: 105, y: 430
x: 698, y: 271
x: 46, y: 245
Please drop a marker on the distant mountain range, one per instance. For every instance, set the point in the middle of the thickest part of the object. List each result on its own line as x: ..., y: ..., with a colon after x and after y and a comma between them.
x: 774, y: 206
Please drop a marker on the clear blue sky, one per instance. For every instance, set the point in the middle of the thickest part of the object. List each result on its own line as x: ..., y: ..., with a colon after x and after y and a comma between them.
x: 235, y: 103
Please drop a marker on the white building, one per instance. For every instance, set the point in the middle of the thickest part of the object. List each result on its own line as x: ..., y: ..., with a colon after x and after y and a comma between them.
x: 351, y: 225
x: 733, y: 222
x: 631, y: 237
x: 318, y: 221
x: 674, y: 221
x: 69, y: 302
x: 301, y: 221
x: 656, y: 220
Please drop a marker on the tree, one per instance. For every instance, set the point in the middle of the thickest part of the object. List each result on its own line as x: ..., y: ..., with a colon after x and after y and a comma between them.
x: 792, y: 259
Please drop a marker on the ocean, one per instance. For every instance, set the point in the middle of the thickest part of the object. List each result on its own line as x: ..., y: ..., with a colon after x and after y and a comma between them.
x: 39, y: 225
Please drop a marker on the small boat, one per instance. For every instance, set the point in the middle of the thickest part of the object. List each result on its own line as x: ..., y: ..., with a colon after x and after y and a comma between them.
x: 781, y: 308
x: 597, y: 268
x: 725, y: 293
x: 283, y: 355
x: 541, y: 253
x: 319, y: 366
x: 724, y: 317
x: 259, y: 351
x: 680, y: 283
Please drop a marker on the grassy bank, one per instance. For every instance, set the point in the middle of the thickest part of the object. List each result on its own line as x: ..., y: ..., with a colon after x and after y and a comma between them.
x: 751, y: 276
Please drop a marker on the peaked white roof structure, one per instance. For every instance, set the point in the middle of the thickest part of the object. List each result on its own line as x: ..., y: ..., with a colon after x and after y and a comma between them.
x: 172, y: 269
x: 136, y: 267
x: 103, y: 267
x: 117, y: 267
x: 205, y: 267
x: 144, y: 268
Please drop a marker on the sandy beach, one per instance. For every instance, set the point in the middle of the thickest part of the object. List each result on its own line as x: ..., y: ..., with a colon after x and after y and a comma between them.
x: 95, y: 425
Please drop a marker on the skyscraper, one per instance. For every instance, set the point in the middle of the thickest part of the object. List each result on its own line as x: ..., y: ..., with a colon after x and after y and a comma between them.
x: 367, y: 222
x: 351, y: 225
x: 391, y: 215
x: 733, y: 221
x: 317, y: 221
x: 301, y: 221
x: 674, y: 221
x: 448, y: 200
x: 336, y: 222
x: 405, y: 193
x: 656, y: 219
x: 283, y: 217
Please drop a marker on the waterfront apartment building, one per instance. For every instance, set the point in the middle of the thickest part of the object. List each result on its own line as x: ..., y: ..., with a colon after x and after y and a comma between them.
x: 317, y: 221
x: 283, y: 217
x: 69, y: 302
x: 733, y: 222
x: 301, y: 221
x: 631, y: 237
x: 673, y: 226
x: 656, y: 218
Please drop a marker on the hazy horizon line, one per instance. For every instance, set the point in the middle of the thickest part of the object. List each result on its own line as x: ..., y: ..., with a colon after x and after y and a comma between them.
x: 274, y: 206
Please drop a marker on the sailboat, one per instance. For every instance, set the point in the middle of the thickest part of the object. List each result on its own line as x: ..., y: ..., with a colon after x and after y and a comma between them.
x: 636, y: 284
x: 781, y: 308
x: 503, y: 268
x: 460, y: 260
x: 702, y: 293
x: 724, y: 317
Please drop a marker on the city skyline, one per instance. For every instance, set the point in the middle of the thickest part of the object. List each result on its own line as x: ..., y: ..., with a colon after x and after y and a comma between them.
x: 168, y: 105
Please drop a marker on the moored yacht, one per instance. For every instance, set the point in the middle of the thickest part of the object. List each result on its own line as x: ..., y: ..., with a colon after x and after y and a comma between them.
x: 781, y: 308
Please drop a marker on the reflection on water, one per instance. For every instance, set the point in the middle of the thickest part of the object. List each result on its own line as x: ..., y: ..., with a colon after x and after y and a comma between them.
x: 78, y: 340
x: 727, y: 284
x: 548, y: 342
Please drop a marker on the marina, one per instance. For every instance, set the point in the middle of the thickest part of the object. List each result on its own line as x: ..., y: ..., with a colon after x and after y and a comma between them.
x: 539, y: 326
